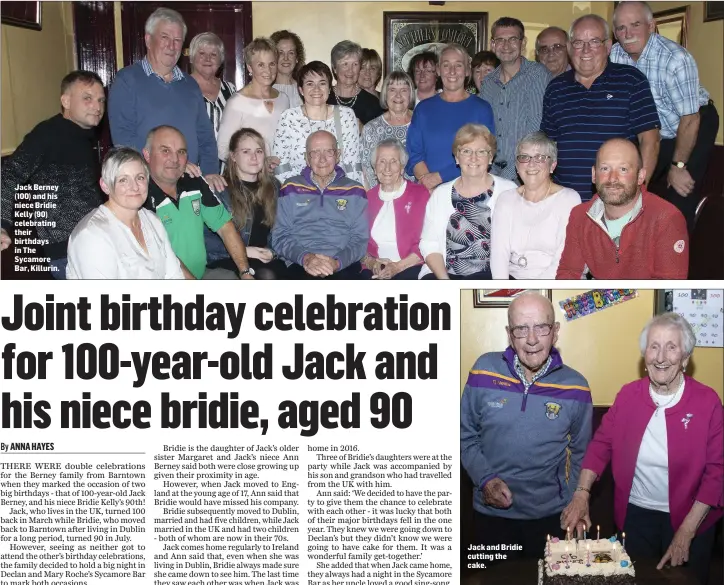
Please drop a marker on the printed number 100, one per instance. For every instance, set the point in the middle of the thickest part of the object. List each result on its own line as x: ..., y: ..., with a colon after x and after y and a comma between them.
x: 86, y: 361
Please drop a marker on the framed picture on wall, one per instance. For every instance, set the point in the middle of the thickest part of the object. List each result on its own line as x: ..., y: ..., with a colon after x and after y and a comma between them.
x: 501, y: 297
x: 702, y: 308
x: 713, y: 11
x: 408, y: 33
x: 673, y: 24
x: 22, y: 14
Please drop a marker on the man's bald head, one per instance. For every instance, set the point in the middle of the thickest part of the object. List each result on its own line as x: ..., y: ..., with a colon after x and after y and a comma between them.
x: 622, y: 147
x: 532, y: 331
x: 531, y: 301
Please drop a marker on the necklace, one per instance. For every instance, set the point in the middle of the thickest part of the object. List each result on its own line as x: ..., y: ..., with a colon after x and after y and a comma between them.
x: 662, y: 406
x: 522, y: 261
x: 350, y: 102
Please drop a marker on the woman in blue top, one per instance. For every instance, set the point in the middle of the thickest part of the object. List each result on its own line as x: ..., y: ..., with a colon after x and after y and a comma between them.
x: 436, y: 120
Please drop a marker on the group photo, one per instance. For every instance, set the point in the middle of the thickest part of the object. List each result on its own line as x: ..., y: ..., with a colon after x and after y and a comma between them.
x: 591, y: 437
x: 219, y: 142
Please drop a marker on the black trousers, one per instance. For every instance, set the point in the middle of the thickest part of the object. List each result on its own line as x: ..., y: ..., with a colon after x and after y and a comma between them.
x: 649, y: 533
x: 352, y: 272
x: 697, y: 163
x: 530, y: 534
x: 410, y: 273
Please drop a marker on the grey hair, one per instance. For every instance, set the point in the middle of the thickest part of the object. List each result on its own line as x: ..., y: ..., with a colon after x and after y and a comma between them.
x: 152, y: 133
x: 115, y: 159
x: 394, y: 77
x: 164, y: 14
x: 343, y: 49
x: 645, y: 5
x: 549, y: 29
x: 391, y: 143
x: 540, y: 139
x: 206, y: 39
x: 599, y: 19
x: 688, y: 337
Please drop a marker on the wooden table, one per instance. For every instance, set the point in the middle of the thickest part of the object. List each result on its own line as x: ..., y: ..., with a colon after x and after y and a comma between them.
x: 525, y: 572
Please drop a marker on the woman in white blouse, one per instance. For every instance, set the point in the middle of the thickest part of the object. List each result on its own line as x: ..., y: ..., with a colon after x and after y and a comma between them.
x: 296, y: 124
x: 396, y: 210
x: 258, y: 105
x: 456, y: 235
x: 119, y: 239
x: 529, y: 227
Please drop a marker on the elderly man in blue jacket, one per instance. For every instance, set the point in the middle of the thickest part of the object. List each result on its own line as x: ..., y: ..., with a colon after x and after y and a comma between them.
x: 525, y: 425
x: 321, y: 228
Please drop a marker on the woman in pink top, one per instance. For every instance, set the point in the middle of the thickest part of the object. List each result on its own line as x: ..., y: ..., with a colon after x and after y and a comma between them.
x: 663, y: 437
x: 396, y: 210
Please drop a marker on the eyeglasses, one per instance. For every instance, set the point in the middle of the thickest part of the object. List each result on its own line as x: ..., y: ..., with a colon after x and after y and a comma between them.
x: 593, y: 44
x: 468, y: 152
x: 544, y: 50
x: 526, y: 158
x: 522, y: 331
x: 512, y: 41
x: 425, y: 71
x: 326, y: 153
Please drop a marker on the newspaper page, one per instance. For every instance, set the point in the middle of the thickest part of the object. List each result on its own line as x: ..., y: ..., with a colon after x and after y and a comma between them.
x: 161, y: 435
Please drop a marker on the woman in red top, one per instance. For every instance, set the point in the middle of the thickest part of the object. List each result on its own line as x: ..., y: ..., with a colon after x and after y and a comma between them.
x: 663, y: 437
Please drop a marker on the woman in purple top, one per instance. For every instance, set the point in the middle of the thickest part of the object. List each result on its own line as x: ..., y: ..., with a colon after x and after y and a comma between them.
x: 663, y: 437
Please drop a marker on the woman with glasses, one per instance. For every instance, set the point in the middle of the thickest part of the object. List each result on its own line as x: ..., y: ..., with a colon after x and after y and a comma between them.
x: 529, y: 229
x: 456, y: 232
x: 423, y: 71
x: 396, y: 98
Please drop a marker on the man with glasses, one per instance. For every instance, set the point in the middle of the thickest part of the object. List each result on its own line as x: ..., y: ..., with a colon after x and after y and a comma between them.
x: 594, y: 102
x: 551, y: 49
x: 515, y: 91
x: 525, y: 423
x: 689, y: 120
x: 321, y: 228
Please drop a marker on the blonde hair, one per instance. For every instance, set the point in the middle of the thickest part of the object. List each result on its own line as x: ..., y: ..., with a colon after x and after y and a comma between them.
x: 259, y: 45
x: 471, y: 132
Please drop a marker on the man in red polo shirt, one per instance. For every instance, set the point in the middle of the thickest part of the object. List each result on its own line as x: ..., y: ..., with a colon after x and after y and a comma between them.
x: 624, y: 231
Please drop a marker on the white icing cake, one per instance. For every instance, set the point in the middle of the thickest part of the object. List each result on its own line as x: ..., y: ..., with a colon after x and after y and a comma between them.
x: 584, y: 558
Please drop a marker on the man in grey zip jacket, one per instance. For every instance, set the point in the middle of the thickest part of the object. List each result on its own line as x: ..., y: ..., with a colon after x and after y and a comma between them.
x: 525, y: 425
x: 321, y: 228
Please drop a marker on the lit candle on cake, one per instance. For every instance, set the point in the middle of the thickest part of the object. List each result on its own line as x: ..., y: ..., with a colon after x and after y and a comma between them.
x: 588, y: 555
x: 566, y: 555
x: 568, y: 533
x: 584, y: 533
x: 548, y: 546
x: 623, y: 543
x: 598, y: 532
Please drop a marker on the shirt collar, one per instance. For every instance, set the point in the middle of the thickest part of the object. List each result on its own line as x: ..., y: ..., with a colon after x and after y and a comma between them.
x: 307, y: 174
x: 148, y: 70
x: 553, y: 362
x: 537, y: 376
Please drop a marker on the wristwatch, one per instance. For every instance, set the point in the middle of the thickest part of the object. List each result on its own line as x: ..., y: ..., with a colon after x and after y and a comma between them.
x: 679, y: 164
x: 247, y: 271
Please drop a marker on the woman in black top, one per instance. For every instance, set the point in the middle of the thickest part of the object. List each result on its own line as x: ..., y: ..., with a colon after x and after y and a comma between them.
x: 346, y: 63
x: 251, y: 198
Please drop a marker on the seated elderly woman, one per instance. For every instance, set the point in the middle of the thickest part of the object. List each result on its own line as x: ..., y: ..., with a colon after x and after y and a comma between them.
x: 206, y: 54
x: 437, y: 119
x: 456, y: 234
x: 370, y: 71
x: 119, y: 239
x: 529, y: 229
x: 396, y: 209
x: 663, y: 437
x: 258, y: 105
x: 346, y: 60
x: 297, y: 124
x: 483, y: 63
x: 396, y: 98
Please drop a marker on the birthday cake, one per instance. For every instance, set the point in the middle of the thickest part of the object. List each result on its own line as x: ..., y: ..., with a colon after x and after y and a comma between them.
x: 585, y: 562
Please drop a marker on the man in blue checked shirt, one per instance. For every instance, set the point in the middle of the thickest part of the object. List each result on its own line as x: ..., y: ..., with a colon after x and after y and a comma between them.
x: 689, y: 120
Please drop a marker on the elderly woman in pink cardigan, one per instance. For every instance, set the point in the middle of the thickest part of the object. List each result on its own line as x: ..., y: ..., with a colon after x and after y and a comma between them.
x: 396, y: 210
x: 663, y: 437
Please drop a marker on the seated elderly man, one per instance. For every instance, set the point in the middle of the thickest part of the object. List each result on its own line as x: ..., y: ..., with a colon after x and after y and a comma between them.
x: 624, y: 231
x: 184, y: 204
x: 155, y: 92
x: 321, y: 226
x: 522, y: 438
